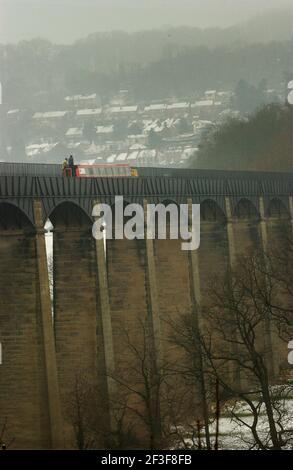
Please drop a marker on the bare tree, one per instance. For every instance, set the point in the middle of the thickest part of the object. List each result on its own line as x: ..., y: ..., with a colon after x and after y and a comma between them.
x: 177, y: 403
x: 6, y: 439
x: 234, y: 339
x: 86, y: 413
x: 143, y: 386
x: 197, y: 384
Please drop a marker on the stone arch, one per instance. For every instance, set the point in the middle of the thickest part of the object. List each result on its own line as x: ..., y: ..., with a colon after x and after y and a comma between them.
x: 67, y: 214
x: 246, y: 228
x: 172, y: 277
x: 278, y: 223
x: 171, y: 223
x: 126, y: 202
x: 277, y: 209
x: 125, y: 218
x: 76, y: 299
x: 168, y: 201
x: 213, y: 252
x: 210, y: 211
x: 246, y: 210
x: 14, y: 218
x: 126, y: 273
x: 23, y: 381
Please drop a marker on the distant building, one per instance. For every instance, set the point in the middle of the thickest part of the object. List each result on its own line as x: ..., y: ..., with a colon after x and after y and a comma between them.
x: 50, y: 124
x: 210, y: 95
x: 207, y: 109
x: 166, y: 127
x: 83, y: 114
x: 140, y: 157
x: 178, y: 109
x: 50, y: 115
x: 137, y: 140
x: 104, y: 133
x: 14, y: 115
x: 129, y: 112
x: 46, y: 152
x: 155, y: 110
x: 83, y: 101
x: 225, y: 97
x: 120, y: 99
x: 51, y: 119
x: 13, y: 112
x: 74, y: 133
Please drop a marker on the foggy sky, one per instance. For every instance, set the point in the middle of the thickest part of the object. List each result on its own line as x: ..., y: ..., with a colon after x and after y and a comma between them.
x: 64, y: 21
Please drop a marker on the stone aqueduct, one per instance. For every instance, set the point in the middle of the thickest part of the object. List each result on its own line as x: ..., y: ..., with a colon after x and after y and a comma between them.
x: 93, y: 292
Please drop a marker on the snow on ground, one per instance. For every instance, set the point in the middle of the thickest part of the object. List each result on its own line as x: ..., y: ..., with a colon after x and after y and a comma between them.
x: 234, y: 435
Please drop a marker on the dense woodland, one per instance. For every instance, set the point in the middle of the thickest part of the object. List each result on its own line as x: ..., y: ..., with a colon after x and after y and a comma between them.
x: 263, y: 141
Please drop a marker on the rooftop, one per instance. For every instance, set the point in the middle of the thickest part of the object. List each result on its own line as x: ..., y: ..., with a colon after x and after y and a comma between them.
x: 178, y: 106
x: 156, y: 107
x: 89, y: 112
x: 81, y: 97
x: 124, y: 109
x: 74, y: 131
x: 49, y: 115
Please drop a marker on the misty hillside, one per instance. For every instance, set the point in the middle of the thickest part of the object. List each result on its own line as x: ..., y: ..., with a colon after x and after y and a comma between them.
x: 274, y: 25
x: 146, y: 46
x: 152, y: 65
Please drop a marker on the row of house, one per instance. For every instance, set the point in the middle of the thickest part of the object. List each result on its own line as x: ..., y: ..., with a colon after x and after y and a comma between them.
x: 173, y: 142
x: 211, y: 103
x: 117, y: 112
x: 90, y: 130
x: 147, y: 157
x: 134, y: 149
